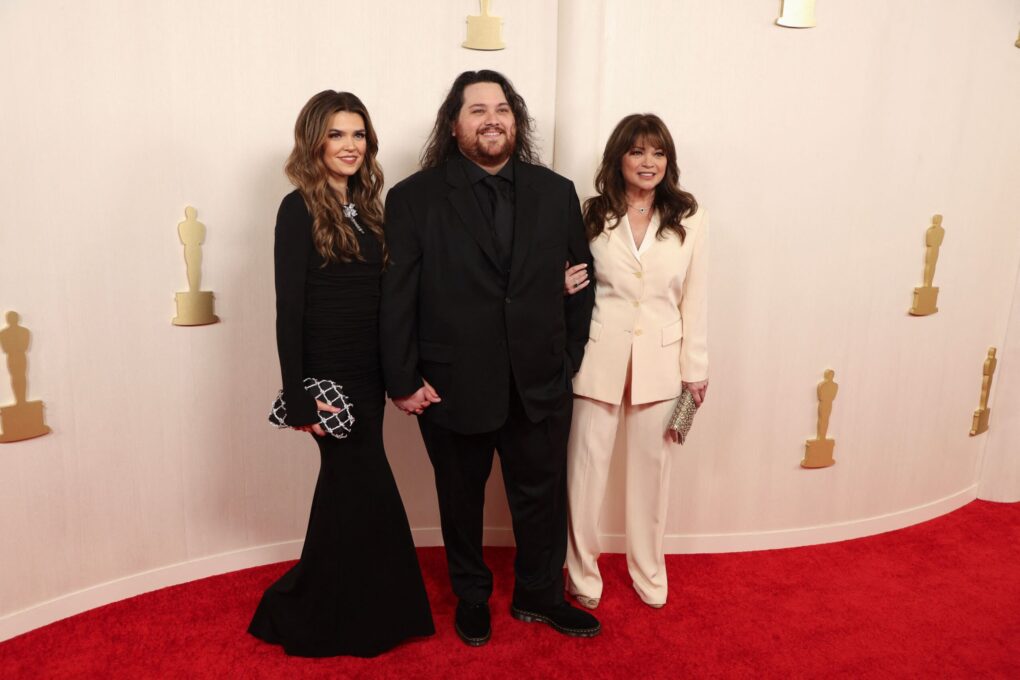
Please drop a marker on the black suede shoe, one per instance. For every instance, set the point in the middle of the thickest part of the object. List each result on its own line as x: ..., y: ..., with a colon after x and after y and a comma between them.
x: 472, y: 623
x: 562, y: 617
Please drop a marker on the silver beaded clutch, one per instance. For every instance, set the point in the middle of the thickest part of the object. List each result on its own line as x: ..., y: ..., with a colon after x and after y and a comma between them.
x: 682, y: 418
x: 337, y: 424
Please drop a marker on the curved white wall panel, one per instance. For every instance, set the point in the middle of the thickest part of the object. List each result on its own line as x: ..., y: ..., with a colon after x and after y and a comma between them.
x: 821, y: 155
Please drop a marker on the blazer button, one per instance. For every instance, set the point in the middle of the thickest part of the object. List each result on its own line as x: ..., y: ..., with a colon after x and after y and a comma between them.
x: 507, y: 300
x: 637, y: 303
x: 637, y: 331
x: 638, y: 274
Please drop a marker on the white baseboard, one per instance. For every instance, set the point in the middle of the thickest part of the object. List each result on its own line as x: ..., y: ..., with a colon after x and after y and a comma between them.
x: 1011, y: 496
x: 61, y: 607
x: 794, y: 538
x: 82, y: 600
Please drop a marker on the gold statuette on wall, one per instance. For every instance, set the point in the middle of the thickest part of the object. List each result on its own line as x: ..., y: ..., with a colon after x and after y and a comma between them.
x: 818, y: 452
x: 926, y: 297
x: 484, y: 32
x: 797, y: 14
x: 980, y: 422
x: 23, y: 419
x: 195, y: 307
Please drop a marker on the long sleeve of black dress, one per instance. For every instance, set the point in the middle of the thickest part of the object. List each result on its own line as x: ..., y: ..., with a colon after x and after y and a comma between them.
x: 292, y: 252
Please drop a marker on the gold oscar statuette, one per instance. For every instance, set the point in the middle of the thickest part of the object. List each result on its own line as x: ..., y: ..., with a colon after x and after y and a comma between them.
x: 797, y: 14
x: 818, y: 452
x: 979, y: 423
x: 194, y: 307
x: 926, y: 297
x: 23, y: 419
x: 484, y: 32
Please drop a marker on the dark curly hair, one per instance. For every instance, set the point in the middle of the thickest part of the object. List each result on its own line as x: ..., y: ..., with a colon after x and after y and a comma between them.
x: 442, y: 144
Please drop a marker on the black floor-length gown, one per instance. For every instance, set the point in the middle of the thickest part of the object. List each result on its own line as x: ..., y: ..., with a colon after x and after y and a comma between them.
x: 357, y: 589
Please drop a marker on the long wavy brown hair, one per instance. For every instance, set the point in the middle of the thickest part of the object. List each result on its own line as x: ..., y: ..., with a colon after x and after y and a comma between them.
x: 332, y: 232
x: 610, y: 205
x: 441, y: 143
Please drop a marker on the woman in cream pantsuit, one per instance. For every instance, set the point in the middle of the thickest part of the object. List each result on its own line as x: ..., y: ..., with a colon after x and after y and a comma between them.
x: 647, y: 342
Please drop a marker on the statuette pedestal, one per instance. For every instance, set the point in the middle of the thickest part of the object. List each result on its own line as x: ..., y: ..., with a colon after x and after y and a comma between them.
x: 22, y: 421
x: 195, y: 309
x: 818, y: 453
x: 484, y: 32
x: 925, y: 301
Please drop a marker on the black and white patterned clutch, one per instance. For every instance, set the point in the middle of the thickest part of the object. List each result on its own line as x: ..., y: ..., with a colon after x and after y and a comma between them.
x: 336, y: 424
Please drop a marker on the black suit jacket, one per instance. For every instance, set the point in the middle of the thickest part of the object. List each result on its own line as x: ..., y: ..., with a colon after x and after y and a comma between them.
x: 450, y: 315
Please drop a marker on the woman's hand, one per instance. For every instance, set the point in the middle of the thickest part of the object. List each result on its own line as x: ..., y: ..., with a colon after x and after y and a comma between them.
x: 575, y: 279
x: 417, y: 402
x: 316, y: 428
x: 697, y: 390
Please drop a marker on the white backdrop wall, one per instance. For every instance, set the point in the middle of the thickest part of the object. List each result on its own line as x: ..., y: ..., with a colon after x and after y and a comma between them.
x: 116, y: 116
x: 821, y: 156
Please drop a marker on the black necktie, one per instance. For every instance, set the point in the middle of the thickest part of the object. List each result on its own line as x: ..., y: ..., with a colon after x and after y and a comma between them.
x: 502, y: 218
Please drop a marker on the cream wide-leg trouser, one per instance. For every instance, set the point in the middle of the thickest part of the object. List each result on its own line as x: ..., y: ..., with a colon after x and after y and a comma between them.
x: 649, y: 449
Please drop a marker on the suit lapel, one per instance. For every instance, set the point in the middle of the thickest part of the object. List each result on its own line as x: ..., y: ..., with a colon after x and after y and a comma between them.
x: 525, y: 215
x: 462, y: 197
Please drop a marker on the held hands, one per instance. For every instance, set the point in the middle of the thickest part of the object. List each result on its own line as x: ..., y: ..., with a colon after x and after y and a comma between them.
x: 575, y: 278
x: 316, y: 428
x: 698, y: 391
x: 417, y: 402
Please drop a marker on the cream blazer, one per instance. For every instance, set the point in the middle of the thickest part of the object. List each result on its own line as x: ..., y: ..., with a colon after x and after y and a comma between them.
x: 650, y: 311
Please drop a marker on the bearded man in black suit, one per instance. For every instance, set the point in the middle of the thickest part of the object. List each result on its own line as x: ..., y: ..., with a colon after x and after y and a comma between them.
x: 480, y: 342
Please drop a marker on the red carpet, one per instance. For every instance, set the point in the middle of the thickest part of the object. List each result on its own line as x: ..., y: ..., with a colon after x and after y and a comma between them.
x: 937, y: 600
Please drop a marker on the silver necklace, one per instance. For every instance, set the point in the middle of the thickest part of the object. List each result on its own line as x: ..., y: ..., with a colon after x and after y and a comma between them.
x: 640, y: 210
x: 351, y: 212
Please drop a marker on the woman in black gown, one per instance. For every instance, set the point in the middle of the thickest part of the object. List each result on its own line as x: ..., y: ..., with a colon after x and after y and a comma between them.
x: 357, y: 589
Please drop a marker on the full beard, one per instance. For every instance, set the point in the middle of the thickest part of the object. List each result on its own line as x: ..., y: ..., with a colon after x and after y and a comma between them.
x: 486, y: 153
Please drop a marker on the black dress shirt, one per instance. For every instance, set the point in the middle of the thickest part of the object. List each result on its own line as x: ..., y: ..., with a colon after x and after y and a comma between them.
x: 495, y: 196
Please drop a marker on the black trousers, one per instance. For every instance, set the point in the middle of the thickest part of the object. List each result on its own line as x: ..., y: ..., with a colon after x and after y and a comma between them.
x: 533, y: 458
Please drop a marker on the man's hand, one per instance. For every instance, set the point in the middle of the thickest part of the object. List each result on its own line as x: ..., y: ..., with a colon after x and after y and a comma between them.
x: 316, y: 428
x: 417, y: 402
